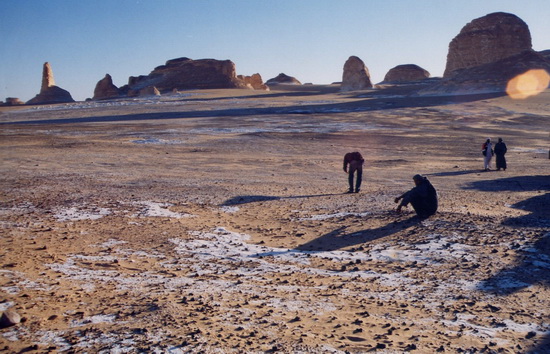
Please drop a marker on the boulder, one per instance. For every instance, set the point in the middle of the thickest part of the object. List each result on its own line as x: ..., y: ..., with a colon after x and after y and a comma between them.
x: 487, y: 39
x: 283, y: 79
x: 105, y: 89
x: 9, y: 318
x: 356, y: 75
x: 186, y: 74
x: 406, y: 72
x: 254, y: 82
x: 49, y: 93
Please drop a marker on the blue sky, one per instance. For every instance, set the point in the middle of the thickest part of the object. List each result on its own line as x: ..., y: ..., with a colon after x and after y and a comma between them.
x: 309, y: 39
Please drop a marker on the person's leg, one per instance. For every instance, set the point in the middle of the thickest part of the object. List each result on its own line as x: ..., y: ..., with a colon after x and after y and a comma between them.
x: 350, y: 179
x: 359, y: 179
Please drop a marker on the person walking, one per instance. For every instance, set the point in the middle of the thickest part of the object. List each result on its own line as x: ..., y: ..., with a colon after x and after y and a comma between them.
x: 355, y: 162
x: 423, y: 198
x: 500, y: 151
x: 487, y: 151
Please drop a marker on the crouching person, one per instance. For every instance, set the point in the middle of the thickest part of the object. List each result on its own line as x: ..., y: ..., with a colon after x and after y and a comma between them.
x: 423, y: 198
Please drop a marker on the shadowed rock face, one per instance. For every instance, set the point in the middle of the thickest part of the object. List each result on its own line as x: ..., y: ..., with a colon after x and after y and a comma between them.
x: 356, y: 75
x: 185, y: 74
x: 406, y: 72
x: 486, y: 40
x: 105, y: 89
x: 283, y: 79
x: 49, y: 93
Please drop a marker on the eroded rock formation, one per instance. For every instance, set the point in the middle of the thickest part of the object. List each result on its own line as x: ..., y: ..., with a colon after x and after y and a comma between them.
x: 49, y: 93
x: 406, y: 72
x: 284, y: 80
x: 356, y: 75
x: 185, y: 74
x: 488, y: 39
x: 105, y: 89
x: 254, y: 82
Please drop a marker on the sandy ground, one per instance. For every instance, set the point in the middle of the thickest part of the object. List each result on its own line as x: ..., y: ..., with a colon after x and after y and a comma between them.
x: 215, y: 221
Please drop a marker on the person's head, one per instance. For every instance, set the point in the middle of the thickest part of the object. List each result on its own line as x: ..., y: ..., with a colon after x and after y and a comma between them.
x: 488, y: 140
x: 418, y: 179
x: 500, y: 140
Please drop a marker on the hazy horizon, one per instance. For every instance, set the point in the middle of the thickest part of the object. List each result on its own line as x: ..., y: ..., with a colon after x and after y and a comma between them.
x: 310, y: 40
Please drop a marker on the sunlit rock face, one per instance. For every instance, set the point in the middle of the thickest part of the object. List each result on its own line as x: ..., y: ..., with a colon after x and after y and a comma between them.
x: 254, y: 82
x: 356, y: 75
x: 486, y: 40
x: 406, y: 72
x: 49, y: 93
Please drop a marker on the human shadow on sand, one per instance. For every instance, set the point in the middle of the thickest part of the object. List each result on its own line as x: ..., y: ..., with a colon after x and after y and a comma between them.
x: 532, y: 266
x: 455, y: 173
x: 371, y: 104
x: 245, y: 199
x: 340, y: 238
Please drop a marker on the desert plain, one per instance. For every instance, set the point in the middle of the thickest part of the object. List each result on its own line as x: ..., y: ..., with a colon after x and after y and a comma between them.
x: 215, y: 221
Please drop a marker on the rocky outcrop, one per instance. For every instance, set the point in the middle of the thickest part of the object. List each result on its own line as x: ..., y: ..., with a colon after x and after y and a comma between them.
x: 186, y: 74
x: 283, y: 79
x: 149, y: 91
x: 405, y: 73
x: 47, y: 77
x: 12, y: 101
x: 254, y: 82
x: 356, y: 75
x: 492, y: 77
x: 105, y: 89
x: 49, y: 93
x: 487, y: 39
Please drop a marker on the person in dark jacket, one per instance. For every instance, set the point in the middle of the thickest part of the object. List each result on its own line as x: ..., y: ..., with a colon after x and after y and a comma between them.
x: 355, y: 162
x: 423, y: 197
x: 500, y: 151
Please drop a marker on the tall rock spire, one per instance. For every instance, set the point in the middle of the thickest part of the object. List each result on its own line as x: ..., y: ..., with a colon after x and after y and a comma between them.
x: 47, y: 77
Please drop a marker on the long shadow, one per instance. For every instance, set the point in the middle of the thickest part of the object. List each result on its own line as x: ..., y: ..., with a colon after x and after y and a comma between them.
x: 372, y: 104
x: 454, y: 173
x: 245, y: 199
x: 532, y: 266
x: 339, y: 238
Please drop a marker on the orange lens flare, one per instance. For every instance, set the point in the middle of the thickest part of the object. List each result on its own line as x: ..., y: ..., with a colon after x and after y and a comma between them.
x: 528, y: 84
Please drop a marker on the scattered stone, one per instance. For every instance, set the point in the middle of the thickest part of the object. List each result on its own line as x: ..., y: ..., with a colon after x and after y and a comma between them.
x: 9, y: 318
x: 356, y: 75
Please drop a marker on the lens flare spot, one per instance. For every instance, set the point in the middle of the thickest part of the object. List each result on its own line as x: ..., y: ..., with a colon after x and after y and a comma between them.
x: 528, y: 84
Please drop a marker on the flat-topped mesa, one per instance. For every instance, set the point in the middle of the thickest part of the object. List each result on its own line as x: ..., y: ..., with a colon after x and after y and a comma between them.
x: 283, y: 79
x: 405, y: 73
x: 488, y: 39
x: 49, y: 93
x: 356, y: 75
x: 188, y: 74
